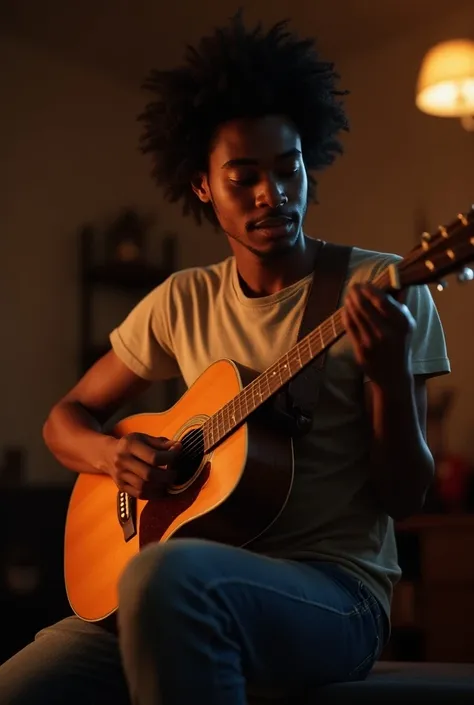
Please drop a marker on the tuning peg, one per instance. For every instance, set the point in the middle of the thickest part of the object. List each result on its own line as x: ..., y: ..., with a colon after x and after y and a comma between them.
x: 425, y: 240
x: 465, y: 275
x: 442, y: 285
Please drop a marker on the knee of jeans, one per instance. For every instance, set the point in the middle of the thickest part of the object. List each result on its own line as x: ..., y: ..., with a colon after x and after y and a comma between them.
x: 156, y: 578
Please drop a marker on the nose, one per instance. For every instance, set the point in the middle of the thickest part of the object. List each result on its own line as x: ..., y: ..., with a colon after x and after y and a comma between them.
x: 270, y: 194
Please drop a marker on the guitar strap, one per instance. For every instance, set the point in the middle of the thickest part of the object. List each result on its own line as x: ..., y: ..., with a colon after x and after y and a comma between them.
x: 329, y: 276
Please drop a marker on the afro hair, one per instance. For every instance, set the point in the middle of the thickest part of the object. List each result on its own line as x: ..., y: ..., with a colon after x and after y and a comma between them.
x: 238, y: 73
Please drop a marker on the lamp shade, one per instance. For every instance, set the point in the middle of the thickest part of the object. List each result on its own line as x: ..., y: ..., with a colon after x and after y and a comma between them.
x: 446, y: 80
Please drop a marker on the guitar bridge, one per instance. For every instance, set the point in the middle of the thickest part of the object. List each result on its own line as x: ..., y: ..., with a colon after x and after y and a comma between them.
x: 127, y: 515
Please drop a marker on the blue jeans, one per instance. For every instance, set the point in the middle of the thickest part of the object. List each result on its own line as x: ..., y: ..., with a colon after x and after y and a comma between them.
x: 203, y: 623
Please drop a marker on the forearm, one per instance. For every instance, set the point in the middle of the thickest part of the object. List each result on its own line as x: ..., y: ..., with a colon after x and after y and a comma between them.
x: 76, y: 440
x: 401, y: 462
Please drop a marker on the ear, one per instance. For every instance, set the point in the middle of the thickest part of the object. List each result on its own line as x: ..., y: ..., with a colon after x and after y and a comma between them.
x: 200, y: 186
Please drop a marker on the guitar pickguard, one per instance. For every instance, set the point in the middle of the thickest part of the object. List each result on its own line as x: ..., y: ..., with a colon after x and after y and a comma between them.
x: 158, y: 514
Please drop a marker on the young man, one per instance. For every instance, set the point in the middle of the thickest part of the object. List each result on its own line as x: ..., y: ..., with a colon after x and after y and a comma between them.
x: 235, y: 135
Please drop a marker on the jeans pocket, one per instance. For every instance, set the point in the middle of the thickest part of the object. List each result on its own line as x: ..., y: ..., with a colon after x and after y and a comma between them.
x: 369, y: 612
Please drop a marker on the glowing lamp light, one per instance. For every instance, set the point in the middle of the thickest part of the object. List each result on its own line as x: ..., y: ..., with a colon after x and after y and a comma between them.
x: 446, y: 81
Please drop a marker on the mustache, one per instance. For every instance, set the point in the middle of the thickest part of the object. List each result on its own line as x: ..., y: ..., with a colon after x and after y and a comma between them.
x: 271, y: 213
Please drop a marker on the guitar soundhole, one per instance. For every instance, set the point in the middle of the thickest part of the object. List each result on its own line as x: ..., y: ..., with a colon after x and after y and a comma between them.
x: 190, y: 458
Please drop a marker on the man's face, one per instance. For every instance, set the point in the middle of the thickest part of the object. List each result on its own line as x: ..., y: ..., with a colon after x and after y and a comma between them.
x: 257, y: 184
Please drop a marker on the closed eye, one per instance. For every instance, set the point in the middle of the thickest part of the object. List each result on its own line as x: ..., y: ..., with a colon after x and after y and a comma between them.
x: 252, y: 180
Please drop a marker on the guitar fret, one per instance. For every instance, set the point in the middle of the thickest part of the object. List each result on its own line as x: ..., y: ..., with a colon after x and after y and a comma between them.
x: 246, y: 402
x: 298, y: 350
x: 231, y: 412
x: 256, y: 394
x: 207, y: 440
x: 252, y: 396
x: 258, y: 384
x: 267, y: 379
x: 287, y: 367
x: 273, y: 378
x: 211, y: 431
x: 215, y: 427
x: 225, y: 418
x: 275, y: 381
x: 237, y: 410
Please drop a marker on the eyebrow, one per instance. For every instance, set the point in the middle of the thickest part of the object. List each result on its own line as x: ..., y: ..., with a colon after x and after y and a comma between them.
x: 247, y: 161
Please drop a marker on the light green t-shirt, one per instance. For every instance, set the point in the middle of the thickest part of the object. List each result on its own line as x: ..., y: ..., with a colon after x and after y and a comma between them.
x: 200, y: 315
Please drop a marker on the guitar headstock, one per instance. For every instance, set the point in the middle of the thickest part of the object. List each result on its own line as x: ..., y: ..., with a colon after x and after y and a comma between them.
x: 450, y: 249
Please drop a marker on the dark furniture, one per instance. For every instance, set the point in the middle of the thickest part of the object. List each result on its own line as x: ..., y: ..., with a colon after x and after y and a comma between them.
x: 433, y: 605
x: 393, y: 683
x: 32, y: 591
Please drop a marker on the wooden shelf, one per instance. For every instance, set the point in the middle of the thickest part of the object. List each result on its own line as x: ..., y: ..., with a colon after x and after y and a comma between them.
x: 137, y: 278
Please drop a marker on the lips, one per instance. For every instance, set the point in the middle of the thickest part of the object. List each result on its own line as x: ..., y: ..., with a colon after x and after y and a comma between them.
x: 277, y: 222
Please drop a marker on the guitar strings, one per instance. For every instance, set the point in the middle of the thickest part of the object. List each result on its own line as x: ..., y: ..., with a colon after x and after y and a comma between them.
x: 293, y: 355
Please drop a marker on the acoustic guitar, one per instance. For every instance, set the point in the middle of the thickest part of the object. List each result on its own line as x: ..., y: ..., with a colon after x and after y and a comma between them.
x: 235, y: 473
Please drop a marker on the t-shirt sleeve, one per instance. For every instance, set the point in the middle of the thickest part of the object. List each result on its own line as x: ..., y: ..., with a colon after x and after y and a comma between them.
x: 143, y: 341
x: 429, y: 354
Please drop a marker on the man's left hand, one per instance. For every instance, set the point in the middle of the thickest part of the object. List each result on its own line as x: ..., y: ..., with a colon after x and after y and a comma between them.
x: 380, y: 329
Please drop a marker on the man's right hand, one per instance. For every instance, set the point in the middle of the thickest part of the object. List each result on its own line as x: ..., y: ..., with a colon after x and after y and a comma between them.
x: 140, y: 464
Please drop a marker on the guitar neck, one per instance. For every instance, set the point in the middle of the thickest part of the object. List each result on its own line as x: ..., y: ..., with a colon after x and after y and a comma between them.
x: 278, y: 375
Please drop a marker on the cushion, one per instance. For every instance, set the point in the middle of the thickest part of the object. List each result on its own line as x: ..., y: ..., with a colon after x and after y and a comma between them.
x: 393, y: 682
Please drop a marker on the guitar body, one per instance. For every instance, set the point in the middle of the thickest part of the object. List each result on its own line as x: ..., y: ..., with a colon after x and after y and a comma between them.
x: 231, y: 494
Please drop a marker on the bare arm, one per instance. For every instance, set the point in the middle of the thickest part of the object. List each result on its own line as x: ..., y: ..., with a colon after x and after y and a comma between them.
x: 73, y: 429
x: 402, y: 465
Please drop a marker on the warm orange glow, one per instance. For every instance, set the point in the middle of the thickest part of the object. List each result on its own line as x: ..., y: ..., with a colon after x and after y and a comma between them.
x: 446, y: 80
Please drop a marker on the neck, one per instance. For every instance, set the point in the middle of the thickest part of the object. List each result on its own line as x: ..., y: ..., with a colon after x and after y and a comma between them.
x: 261, y: 276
